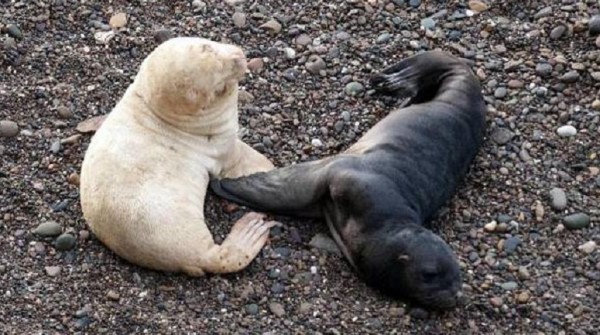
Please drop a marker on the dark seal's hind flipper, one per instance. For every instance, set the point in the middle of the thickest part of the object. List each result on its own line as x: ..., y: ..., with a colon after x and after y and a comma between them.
x: 291, y: 190
x: 422, y: 77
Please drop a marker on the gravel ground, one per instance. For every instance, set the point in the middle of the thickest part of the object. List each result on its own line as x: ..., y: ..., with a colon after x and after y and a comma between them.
x: 524, y: 223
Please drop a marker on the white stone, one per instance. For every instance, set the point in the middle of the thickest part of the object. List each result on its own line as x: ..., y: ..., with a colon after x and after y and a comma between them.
x: 566, y: 131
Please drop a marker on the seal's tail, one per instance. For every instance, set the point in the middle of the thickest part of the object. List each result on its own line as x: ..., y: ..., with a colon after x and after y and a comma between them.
x: 426, y: 76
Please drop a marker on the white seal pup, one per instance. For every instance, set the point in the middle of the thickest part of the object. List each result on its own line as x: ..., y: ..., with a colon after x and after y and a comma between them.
x: 146, y: 171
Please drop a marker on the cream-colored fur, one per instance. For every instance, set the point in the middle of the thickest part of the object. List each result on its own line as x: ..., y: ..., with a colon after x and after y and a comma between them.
x: 146, y: 171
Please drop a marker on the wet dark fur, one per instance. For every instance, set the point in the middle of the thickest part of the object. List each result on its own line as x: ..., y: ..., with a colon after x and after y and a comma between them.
x: 377, y: 202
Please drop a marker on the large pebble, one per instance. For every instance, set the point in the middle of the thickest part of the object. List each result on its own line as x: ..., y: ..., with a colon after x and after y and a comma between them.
x: 546, y: 11
x: 251, y: 309
x: 414, y: 3
x: 272, y: 25
x: 557, y: 32
x: 49, y: 228
x: 118, y: 20
x: 8, y: 128
x: 500, y: 92
x: 53, y: 271
x: 65, y: 242
x: 502, y: 135
x: 64, y: 112
x: 277, y: 309
x: 14, y: 31
x: 570, y: 77
x: 566, y: 131
x: 558, y: 199
x: 354, y: 88
x: 511, y: 244
x: 239, y: 19
x: 478, y: 6
x: 303, y: 39
x: 587, y: 247
x: 594, y: 25
x: 315, y: 64
x: 576, y: 221
x: 543, y: 69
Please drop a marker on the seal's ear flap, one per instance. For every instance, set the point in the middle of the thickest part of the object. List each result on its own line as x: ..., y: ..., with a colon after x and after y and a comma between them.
x: 403, y: 258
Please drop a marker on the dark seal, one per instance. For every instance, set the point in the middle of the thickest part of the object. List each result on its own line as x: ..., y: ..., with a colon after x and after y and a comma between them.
x: 378, y: 196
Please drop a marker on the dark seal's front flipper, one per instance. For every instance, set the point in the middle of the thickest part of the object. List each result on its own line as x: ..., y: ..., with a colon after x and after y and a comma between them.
x: 423, y: 77
x: 292, y: 190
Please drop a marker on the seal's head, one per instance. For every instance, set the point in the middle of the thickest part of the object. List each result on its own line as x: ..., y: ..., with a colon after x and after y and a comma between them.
x: 190, y: 76
x: 413, y: 264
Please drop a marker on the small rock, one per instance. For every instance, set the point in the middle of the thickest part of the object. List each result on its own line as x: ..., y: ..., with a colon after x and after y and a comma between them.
x: 544, y: 12
x: 199, y: 5
x: 65, y: 242
x: 277, y: 288
x: 64, y: 112
x: 323, y: 242
x: 104, y: 36
x: 558, y: 199
x: 523, y: 273
x: 113, y: 295
x: 594, y: 25
x: 8, y: 128
x: 289, y: 53
x: 162, y: 35
x: 496, y: 301
x: 500, y: 92
x: 53, y: 271
x: 509, y: 286
x: 73, y: 179
x: 303, y: 39
x: 48, y: 229
x: 316, y: 143
x: 14, y: 31
x: 523, y: 297
x: 272, y: 25
x: 557, y: 32
x: 252, y: 309
x: 315, y: 64
x: 55, y: 147
x: 354, y: 88
x: 490, y: 227
x: 511, y: 244
x: 576, y: 221
x: 566, y: 131
x: 478, y: 6
x: 118, y: 20
x: 502, y: 135
x: 428, y: 23
x: 570, y: 77
x: 587, y: 247
x: 305, y: 307
x: 596, y: 104
x: 543, y: 69
x: 514, y: 83
x: 383, y: 38
x: 414, y: 3
x: 255, y: 64
x: 277, y: 309
x: 239, y: 19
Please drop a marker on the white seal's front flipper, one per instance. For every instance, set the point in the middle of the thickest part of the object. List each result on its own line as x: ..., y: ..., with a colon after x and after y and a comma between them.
x: 247, y: 237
